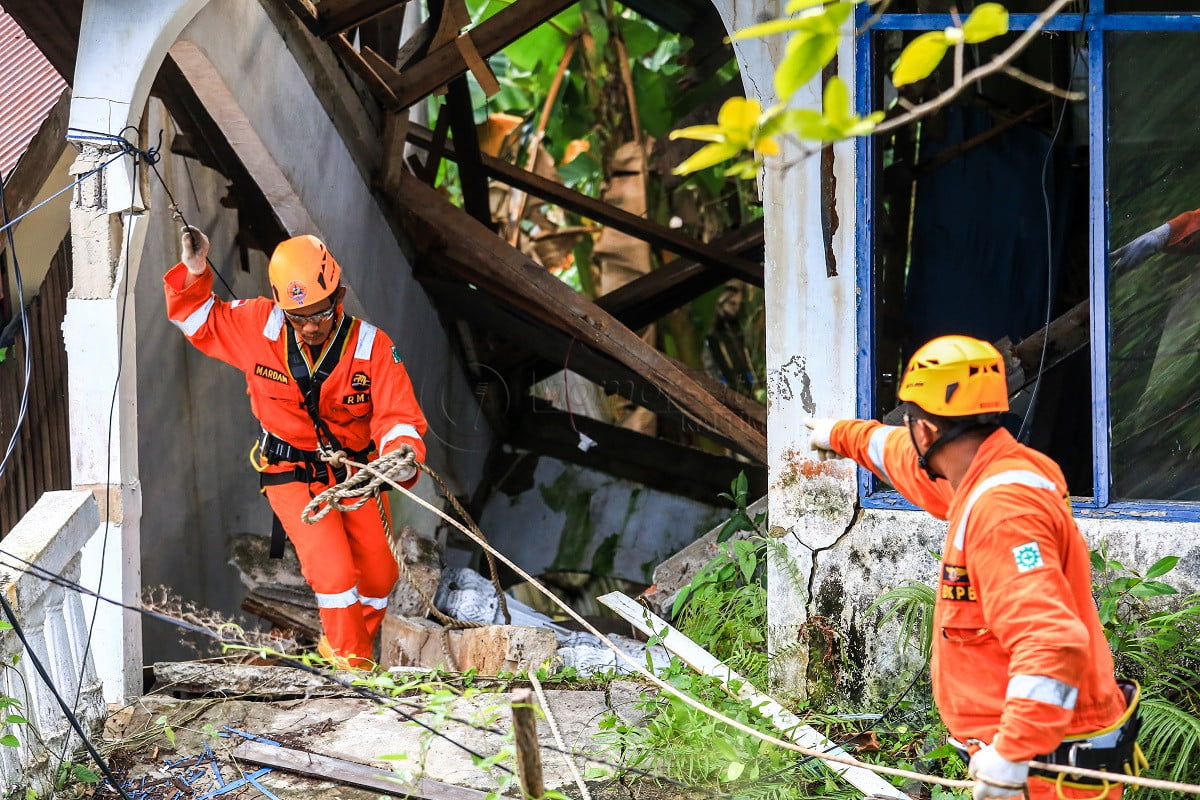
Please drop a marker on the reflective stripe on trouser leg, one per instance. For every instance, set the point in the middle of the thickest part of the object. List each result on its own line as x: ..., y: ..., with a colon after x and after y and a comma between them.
x: 327, y: 562
x: 376, y: 566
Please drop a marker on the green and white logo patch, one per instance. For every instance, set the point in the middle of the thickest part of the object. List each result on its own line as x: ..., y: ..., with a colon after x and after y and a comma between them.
x: 1028, y: 556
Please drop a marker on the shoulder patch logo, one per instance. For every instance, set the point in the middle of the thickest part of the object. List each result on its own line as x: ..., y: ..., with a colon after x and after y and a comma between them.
x: 263, y: 371
x: 360, y: 381
x: 1028, y: 556
x: 395, y: 354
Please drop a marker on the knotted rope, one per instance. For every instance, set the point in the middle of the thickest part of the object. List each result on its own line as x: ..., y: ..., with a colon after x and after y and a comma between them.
x: 365, y: 482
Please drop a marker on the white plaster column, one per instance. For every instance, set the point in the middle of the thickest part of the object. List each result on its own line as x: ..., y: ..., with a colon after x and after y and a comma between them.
x: 99, y: 334
x: 811, y: 342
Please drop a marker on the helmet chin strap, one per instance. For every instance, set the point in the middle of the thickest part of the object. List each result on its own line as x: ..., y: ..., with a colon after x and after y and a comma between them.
x: 923, y: 458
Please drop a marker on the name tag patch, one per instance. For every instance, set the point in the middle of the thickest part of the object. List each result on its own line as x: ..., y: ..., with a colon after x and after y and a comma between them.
x: 263, y: 371
x: 1028, y: 556
x: 356, y: 399
x: 956, y: 584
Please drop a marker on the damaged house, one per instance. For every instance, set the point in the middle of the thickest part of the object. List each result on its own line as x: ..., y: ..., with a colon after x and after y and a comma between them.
x: 995, y: 216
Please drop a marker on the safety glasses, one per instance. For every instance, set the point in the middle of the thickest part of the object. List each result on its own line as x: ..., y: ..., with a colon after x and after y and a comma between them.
x: 318, y: 317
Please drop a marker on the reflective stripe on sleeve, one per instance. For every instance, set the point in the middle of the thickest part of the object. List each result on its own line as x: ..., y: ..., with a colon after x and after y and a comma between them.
x: 875, y: 449
x: 196, y: 319
x: 403, y: 429
x: 1044, y: 690
x: 373, y: 602
x: 1019, y: 477
x: 274, y: 324
x: 366, y: 338
x: 340, y: 600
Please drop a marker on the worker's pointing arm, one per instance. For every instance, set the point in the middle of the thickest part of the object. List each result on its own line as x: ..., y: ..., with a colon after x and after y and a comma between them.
x: 886, y: 451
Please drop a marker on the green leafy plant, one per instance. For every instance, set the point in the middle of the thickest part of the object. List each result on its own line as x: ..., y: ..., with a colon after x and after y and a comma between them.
x: 912, y: 605
x: 815, y: 31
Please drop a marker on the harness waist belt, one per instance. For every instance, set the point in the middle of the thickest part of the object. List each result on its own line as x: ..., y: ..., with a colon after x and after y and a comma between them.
x: 310, y: 468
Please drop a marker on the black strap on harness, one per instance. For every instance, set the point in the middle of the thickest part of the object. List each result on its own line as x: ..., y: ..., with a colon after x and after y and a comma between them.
x: 1108, y: 753
x: 309, y: 466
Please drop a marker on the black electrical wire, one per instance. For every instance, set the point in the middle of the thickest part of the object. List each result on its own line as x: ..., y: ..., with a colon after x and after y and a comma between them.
x: 23, y: 409
x: 70, y: 715
x: 1026, y: 428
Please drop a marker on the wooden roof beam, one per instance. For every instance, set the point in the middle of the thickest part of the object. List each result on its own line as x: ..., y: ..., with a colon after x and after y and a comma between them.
x: 339, y: 16
x: 445, y: 63
x: 494, y: 267
x: 729, y: 265
x: 676, y: 283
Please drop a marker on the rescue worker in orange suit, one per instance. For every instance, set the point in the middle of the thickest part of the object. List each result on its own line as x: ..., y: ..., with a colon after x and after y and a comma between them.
x: 316, y: 377
x: 1020, y: 666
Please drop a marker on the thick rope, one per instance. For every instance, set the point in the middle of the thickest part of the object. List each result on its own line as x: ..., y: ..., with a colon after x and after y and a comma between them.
x: 1111, y: 777
x: 367, y: 482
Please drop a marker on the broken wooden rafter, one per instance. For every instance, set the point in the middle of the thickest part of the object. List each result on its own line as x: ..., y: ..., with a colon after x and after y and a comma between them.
x: 1065, y: 336
x: 37, y: 163
x: 443, y: 64
x: 335, y: 17
x: 557, y: 348
x: 647, y: 460
x: 351, y: 773
x: 491, y: 265
x: 678, y: 282
x: 471, y: 176
x: 639, y: 227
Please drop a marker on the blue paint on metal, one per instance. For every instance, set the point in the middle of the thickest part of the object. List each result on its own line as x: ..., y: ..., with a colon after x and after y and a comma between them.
x: 1097, y: 152
x: 1084, y: 508
x: 864, y: 238
x: 1094, y: 21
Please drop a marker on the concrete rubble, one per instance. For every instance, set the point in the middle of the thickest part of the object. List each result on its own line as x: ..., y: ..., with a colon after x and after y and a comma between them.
x: 204, y: 732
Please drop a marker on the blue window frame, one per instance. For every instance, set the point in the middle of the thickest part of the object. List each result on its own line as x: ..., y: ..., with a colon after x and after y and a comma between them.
x: 1100, y: 29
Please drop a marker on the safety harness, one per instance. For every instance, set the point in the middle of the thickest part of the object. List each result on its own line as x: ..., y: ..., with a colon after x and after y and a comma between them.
x: 310, y: 467
x: 1113, y: 749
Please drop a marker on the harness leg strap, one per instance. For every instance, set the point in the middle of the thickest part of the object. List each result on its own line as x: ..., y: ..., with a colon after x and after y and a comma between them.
x: 278, y: 536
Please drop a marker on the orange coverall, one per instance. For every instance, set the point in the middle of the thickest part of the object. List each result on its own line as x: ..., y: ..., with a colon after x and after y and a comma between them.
x: 1185, y: 233
x: 1019, y: 656
x: 367, y: 398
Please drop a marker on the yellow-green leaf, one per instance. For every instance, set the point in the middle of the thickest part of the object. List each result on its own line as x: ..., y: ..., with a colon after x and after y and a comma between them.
x: 806, y: 55
x: 861, y: 126
x: 701, y: 133
x: 920, y: 58
x: 987, y: 21
x: 737, y: 117
x: 733, y: 770
x: 746, y: 170
x: 781, y: 25
x: 799, y: 5
x: 804, y: 123
x: 837, y: 102
x: 707, y: 156
x: 766, y: 145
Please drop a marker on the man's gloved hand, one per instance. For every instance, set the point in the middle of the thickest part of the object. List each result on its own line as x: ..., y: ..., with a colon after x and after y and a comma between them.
x: 193, y: 246
x: 995, y: 775
x: 403, y: 452
x: 822, y: 429
x: 1141, y: 248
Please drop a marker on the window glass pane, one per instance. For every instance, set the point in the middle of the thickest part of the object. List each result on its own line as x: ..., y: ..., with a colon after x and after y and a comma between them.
x: 965, y: 6
x: 1153, y: 6
x: 981, y: 227
x: 1154, y: 273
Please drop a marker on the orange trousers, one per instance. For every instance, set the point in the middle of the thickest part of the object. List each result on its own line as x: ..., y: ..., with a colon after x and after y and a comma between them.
x: 1043, y: 789
x: 348, y: 562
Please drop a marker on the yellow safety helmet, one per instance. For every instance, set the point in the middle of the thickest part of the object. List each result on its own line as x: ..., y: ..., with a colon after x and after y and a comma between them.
x: 956, y: 376
x: 302, y: 272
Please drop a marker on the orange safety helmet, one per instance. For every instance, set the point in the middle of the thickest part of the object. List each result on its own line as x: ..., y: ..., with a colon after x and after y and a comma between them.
x: 956, y: 376
x: 302, y: 272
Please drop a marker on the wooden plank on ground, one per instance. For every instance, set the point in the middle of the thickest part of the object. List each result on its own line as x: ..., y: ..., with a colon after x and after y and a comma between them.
x: 445, y: 63
x: 660, y: 236
x: 702, y: 661
x: 351, y: 773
